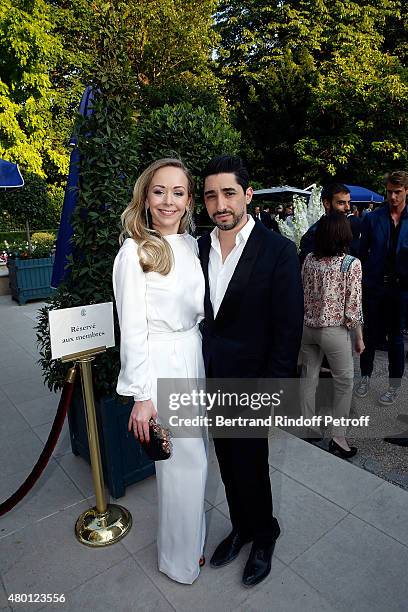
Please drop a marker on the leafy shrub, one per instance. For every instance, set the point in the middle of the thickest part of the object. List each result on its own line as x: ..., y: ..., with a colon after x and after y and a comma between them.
x: 43, y: 244
x: 191, y: 133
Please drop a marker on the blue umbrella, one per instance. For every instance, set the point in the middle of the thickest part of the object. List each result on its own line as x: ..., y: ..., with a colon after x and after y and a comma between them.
x: 64, y: 244
x: 10, y: 175
x: 363, y: 195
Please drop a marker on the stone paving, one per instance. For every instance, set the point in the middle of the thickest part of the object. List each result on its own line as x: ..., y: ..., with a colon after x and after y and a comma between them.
x: 344, y: 542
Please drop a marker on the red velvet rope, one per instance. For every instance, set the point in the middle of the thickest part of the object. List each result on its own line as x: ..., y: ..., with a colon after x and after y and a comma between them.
x: 43, y: 459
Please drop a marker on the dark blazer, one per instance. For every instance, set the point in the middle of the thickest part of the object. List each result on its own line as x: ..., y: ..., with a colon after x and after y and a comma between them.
x: 355, y: 224
x: 307, y: 242
x: 258, y: 327
x: 264, y: 218
x: 374, y: 241
x: 269, y: 222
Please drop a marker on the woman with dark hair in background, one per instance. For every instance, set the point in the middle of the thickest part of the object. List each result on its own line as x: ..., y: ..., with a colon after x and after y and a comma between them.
x: 332, y: 295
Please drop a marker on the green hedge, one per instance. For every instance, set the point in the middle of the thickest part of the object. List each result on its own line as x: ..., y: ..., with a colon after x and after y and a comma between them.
x: 21, y: 235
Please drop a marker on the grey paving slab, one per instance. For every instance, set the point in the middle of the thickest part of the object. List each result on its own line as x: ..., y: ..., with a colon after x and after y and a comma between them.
x: 29, y: 346
x: 144, y: 520
x: 3, y: 597
x: 304, y: 516
x: 52, y: 492
x: 16, y: 360
x: 40, y: 410
x: 46, y: 557
x: 214, y: 491
x: 147, y: 489
x: 18, y: 451
x: 79, y: 471
x: 386, y: 509
x: 27, y: 389
x: 26, y: 368
x: 11, y: 422
x: 21, y: 331
x: 355, y: 566
x: 286, y: 592
x: 332, y: 477
x: 218, y: 590
x: 123, y: 588
x: 63, y: 445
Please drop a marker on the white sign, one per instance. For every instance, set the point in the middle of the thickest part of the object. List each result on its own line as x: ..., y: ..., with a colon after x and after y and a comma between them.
x: 81, y: 328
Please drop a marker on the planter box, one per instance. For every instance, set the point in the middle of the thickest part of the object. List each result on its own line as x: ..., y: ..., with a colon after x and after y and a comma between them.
x: 30, y: 279
x: 123, y: 459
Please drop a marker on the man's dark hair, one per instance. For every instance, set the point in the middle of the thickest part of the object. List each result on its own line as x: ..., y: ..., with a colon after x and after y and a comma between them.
x: 228, y: 164
x: 399, y: 177
x: 333, y: 235
x: 330, y: 190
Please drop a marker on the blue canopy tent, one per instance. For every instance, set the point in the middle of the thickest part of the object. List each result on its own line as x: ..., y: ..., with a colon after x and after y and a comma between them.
x: 64, y: 245
x: 10, y: 175
x: 10, y: 178
x: 361, y: 195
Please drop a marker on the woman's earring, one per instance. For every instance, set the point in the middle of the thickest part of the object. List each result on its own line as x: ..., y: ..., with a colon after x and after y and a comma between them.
x: 147, y: 217
x: 190, y: 221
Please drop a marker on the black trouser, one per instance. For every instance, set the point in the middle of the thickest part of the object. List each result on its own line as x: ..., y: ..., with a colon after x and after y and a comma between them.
x: 245, y: 473
x: 386, y: 305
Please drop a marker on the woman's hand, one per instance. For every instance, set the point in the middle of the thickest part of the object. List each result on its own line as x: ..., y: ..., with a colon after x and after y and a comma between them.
x: 140, y: 416
x: 359, y: 346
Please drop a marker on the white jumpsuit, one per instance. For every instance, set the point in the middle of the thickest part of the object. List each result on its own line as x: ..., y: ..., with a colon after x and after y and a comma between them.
x: 159, y: 318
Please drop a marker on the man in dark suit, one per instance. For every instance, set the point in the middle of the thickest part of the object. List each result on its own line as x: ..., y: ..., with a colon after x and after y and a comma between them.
x: 384, y: 258
x: 335, y: 198
x: 264, y: 216
x: 252, y: 329
x: 355, y: 224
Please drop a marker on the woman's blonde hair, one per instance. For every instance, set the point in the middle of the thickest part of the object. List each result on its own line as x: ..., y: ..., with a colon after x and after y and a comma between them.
x: 154, y: 252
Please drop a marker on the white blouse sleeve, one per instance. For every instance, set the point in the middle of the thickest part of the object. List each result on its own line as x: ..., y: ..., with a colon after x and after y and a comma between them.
x: 129, y: 286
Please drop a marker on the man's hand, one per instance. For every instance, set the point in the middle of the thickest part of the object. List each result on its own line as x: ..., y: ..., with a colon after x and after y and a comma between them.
x: 140, y: 416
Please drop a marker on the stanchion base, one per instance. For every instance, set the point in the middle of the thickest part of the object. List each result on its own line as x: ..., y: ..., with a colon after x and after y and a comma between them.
x: 102, y: 529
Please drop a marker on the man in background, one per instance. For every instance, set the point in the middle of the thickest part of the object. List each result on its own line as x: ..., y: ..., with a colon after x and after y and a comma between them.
x: 384, y: 258
x: 335, y: 197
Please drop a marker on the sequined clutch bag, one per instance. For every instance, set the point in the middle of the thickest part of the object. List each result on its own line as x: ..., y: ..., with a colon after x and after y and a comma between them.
x: 159, y: 447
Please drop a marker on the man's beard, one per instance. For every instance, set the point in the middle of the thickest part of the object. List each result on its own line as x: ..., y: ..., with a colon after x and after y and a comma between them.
x: 236, y: 218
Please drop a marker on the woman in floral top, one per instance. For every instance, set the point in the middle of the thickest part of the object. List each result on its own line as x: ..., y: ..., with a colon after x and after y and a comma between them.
x: 332, y: 294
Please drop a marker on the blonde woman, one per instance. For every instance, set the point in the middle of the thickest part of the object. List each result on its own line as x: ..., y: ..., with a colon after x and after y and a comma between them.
x: 159, y: 291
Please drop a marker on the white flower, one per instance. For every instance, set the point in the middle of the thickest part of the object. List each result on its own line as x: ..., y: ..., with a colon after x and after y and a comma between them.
x: 304, y: 215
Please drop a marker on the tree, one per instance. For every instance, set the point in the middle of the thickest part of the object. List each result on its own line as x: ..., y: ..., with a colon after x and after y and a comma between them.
x: 190, y: 133
x: 124, y: 41
x: 357, y: 123
x: 34, y: 206
x: 315, y: 89
x: 29, y: 51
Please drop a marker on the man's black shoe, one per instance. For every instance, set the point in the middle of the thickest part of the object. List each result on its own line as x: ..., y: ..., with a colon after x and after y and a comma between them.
x: 259, y: 562
x: 397, y: 441
x: 228, y: 549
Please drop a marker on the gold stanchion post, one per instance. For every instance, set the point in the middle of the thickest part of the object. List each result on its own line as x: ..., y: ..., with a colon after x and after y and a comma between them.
x: 104, y: 524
